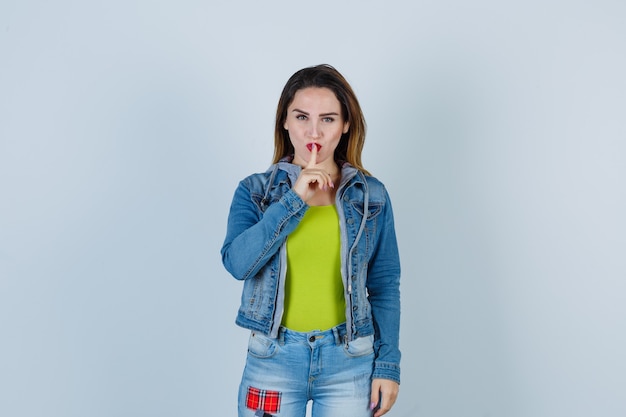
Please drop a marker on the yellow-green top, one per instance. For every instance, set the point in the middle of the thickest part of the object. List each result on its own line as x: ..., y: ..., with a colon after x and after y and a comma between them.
x: 314, y: 298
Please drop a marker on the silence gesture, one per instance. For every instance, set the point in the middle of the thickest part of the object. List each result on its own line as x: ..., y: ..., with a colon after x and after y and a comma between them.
x: 312, y: 178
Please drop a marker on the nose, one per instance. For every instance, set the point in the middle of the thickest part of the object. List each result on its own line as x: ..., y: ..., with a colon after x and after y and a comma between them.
x: 314, y: 131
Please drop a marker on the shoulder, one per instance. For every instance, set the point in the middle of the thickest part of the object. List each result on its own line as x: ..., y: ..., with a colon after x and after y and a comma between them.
x: 375, y: 186
x: 362, y: 186
x: 260, y: 177
x: 255, y: 179
x: 373, y: 181
x: 260, y: 181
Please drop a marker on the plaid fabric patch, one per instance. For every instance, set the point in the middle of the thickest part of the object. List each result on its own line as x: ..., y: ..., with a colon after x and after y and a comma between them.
x: 259, y: 399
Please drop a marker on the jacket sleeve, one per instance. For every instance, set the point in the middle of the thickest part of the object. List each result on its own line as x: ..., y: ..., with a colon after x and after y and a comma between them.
x: 383, y: 285
x: 252, y: 236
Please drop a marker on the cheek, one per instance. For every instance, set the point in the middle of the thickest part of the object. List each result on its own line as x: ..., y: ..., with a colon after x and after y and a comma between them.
x: 296, y: 129
x: 338, y: 134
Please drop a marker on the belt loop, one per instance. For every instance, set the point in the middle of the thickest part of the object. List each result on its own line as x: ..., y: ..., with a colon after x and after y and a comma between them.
x: 281, y: 336
x: 344, y: 336
x: 337, y: 335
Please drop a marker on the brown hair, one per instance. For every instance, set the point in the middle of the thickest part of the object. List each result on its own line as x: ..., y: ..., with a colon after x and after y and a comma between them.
x: 323, y: 76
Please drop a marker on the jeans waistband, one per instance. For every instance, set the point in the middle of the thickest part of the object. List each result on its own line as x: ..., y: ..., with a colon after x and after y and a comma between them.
x: 336, y: 334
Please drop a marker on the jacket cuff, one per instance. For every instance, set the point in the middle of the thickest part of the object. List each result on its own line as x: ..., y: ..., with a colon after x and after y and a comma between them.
x: 292, y: 202
x: 386, y: 370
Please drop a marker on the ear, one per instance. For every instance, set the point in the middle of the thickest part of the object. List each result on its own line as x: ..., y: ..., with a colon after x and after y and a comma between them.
x: 285, y: 125
x: 346, y: 127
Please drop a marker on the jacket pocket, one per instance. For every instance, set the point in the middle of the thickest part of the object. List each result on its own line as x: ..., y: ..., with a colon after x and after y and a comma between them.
x: 373, y: 208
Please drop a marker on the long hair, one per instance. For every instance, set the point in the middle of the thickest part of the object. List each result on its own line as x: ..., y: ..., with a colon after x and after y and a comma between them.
x: 323, y: 76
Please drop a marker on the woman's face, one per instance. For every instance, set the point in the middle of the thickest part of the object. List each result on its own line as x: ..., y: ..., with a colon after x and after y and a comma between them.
x: 314, y: 119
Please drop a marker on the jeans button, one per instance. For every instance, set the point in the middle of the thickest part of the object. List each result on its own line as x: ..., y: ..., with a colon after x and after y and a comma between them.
x: 312, y: 339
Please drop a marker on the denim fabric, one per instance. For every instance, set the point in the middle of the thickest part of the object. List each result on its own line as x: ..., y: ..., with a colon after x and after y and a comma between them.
x: 297, y: 367
x: 265, y: 210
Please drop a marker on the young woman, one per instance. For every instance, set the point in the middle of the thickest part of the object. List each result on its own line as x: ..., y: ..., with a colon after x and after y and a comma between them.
x: 313, y: 240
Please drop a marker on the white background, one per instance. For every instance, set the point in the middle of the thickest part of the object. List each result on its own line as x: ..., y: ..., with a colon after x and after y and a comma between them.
x: 499, y: 128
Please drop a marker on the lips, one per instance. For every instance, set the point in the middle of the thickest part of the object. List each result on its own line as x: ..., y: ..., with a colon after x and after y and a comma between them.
x: 309, y: 146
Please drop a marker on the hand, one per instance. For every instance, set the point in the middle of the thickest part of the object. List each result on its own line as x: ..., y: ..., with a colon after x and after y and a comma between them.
x: 384, y: 393
x: 312, y: 179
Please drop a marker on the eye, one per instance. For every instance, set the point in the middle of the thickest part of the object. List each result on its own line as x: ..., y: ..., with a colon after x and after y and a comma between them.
x: 328, y: 119
x: 301, y: 117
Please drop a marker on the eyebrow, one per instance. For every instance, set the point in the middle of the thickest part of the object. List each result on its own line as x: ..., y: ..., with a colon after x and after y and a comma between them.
x: 321, y: 115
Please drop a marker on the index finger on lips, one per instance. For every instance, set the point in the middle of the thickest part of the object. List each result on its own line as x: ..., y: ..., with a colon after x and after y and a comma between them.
x: 313, y: 158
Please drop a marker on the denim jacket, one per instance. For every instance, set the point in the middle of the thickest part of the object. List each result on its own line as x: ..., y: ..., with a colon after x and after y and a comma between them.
x: 265, y: 210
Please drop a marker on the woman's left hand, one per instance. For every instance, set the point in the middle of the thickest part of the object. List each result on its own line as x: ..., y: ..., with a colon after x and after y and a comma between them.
x: 384, y: 393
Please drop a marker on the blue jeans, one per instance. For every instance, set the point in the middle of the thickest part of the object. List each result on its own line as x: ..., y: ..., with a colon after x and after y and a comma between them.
x: 283, y: 374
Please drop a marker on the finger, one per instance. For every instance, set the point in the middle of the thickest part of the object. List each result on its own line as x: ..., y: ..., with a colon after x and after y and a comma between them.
x: 313, y: 158
x: 375, y: 396
x: 388, y: 393
x: 385, y: 405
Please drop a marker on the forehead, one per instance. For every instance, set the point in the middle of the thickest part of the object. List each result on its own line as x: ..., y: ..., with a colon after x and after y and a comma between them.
x: 315, y: 97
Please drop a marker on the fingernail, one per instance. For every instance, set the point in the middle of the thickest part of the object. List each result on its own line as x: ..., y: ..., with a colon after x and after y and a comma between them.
x: 332, y: 184
x: 372, y: 406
